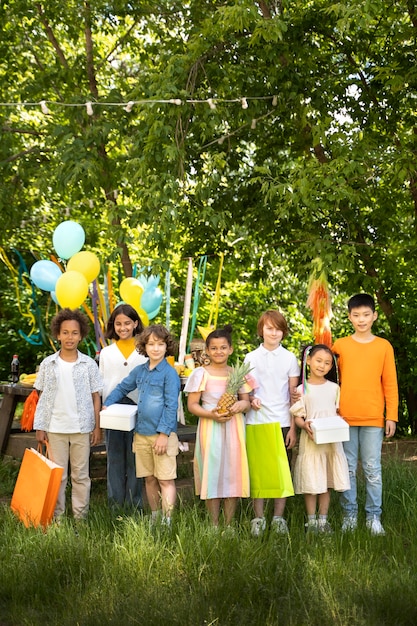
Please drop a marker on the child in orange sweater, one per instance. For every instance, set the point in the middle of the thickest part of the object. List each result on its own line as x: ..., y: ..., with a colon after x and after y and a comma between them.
x: 369, y: 403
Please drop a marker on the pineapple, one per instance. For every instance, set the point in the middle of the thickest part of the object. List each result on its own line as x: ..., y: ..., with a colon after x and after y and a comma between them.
x: 234, y: 383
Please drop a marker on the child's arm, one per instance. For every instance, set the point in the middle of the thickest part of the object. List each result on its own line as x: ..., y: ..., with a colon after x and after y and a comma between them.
x: 291, y: 438
x: 242, y: 405
x: 96, y: 434
x: 304, y: 425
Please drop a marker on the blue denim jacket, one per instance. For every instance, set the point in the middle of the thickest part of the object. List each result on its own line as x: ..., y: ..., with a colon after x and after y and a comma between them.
x: 158, y: 390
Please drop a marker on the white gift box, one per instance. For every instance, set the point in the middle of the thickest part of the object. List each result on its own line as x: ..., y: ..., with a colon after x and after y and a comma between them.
x: 119, y: 417
x: 330, y: 429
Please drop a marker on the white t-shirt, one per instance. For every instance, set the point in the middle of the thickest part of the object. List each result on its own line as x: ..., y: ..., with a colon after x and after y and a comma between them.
x: 65, y: 418
x: 272, y: 369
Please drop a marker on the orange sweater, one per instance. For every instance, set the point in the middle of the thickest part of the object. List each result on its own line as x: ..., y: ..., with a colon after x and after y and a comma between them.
x: 368, y: 381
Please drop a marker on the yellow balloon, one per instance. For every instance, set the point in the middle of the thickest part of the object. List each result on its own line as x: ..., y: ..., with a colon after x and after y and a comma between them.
x: 131, y: 291
x: 71, y: 289
x: 143, y: 316
x: 86, y: 263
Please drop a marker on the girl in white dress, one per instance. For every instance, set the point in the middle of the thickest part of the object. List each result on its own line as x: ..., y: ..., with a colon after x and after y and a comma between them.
x: 319, y: 467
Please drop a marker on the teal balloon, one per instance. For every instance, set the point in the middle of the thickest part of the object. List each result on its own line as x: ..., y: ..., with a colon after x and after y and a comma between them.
x: 54, y: 298
x: 45, y: 274
x: 153, y: 314
x: 151, y: 299
x: 68, y: 239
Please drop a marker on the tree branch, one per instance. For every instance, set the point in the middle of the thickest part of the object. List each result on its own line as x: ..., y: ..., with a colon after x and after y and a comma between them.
x: 51, y: 36
x: 89, y: 51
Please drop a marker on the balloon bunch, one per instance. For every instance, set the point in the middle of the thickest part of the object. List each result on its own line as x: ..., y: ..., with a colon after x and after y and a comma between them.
x: 143, y: 294
x: 68, y: 288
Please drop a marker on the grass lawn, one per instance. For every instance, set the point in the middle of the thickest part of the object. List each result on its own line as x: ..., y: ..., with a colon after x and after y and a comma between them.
x: 124, y: 571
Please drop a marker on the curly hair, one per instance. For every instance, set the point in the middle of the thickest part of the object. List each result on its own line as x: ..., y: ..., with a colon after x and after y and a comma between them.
x: 65, y: 315
x: 160, y: 332
x: 129, y: 311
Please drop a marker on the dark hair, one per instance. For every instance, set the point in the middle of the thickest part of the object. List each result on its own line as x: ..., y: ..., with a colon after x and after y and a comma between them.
x: 361, y: 299
x: 310, y: 351
x: 276, y: 318
x: 221, y: 333
x: 65, y: 315
x: 160, y: 332
x: 129, y: 311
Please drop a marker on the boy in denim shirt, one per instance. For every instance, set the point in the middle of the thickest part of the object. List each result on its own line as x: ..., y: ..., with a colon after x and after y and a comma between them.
x: 155, y: 442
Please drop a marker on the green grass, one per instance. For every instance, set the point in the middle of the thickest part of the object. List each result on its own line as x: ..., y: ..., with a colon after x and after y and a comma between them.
x: 126, y: 572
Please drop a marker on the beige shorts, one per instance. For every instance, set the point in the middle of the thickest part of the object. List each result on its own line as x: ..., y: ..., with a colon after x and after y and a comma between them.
x: 164, y: 466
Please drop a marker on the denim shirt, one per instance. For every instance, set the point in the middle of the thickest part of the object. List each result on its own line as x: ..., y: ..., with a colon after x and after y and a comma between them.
x: 87, y: 380
x: 158, y: 390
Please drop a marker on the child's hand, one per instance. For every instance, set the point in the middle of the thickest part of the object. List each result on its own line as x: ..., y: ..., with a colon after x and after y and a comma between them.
x: 161, y: 444
x: 256, y: 403
x: 221, y: 417
x: 295, y: 396
x: 41, y: 436
x: 307, y: 428
x: 96, y: 436
x: 239, y: 407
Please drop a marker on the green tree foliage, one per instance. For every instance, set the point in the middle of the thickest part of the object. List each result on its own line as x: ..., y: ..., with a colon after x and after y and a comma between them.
x: 295, y: 137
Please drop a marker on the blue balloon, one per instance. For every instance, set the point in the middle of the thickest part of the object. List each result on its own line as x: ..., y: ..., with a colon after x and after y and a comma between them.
x: 151, y: 299
x: 68, y: 239
x: 153, y: 314
x: 149, y: 282
x: 45, y: 274
x: 54, y: 298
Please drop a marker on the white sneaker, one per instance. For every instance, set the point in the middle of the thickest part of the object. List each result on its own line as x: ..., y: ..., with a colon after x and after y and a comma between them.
x: 349, y: 524
x: 258, y: 525
x: 279, y: 526
x: 375, y: 526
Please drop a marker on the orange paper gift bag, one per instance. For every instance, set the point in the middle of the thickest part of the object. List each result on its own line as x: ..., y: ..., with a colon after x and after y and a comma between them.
x: 36, y: 490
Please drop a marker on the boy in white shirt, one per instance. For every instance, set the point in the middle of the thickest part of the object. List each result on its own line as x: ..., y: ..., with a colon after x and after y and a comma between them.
x: 276, y: 372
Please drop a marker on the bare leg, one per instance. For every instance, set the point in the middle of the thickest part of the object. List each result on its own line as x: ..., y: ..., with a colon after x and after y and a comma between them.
x: 168, y: 496
x: 229, y: 506
x: 152, y: 492
x: 213, y: 507
x: 324, y: 502
x: 310, y: 500
x: 258, y: 507
x: 279, y: 506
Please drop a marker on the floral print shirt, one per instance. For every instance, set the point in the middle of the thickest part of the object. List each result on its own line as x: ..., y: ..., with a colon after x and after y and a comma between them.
x: 87, y: 380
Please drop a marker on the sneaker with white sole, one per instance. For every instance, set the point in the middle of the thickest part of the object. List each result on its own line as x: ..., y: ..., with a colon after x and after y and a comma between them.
x: 325, y: 528
x: 279, y: 525
x: 349, y: 524
x: 375, y: 526
x: 258, y: 525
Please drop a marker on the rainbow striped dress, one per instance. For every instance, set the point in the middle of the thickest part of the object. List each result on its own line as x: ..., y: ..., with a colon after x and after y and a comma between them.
x: 220, y: 460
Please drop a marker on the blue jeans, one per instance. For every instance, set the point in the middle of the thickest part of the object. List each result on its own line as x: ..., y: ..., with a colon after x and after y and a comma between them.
x: 365, y: 443
x: 123, y: 488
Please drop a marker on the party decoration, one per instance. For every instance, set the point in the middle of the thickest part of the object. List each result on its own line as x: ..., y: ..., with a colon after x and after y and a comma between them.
x: 214, y: 310
x: 319, y: 302
x: 153, y: 313
x: 68, y: 239
x: 86, y: 263
x: 131, y: 291
x: 151, y: 299
x: 143, y: 316
x: 45, y: 274
x: 71, y: 289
